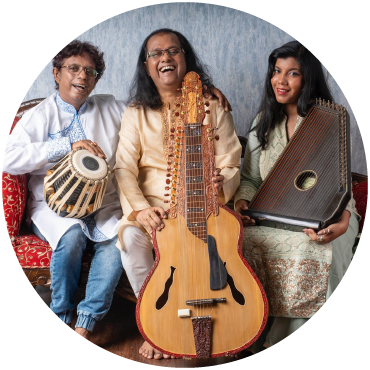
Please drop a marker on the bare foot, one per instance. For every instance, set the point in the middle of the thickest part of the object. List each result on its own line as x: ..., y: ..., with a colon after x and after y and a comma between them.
x: 147, y: 351
x: 83, y: 332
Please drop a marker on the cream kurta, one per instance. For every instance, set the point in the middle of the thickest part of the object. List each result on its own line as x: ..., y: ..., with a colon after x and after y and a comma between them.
x: 141, y: 166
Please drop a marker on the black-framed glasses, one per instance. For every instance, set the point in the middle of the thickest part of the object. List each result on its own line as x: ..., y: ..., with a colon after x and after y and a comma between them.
x: 75, y: 69
x: 170, y: 52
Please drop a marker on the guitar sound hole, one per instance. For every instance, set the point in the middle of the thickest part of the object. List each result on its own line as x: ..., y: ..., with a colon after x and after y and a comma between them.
x: 163, y: 298
x: 237, y: 294
x: 305, y: 180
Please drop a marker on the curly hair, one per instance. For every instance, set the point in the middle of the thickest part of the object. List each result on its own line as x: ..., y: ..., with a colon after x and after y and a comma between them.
x: 314, y: 86
x: 77, y: 47
x: 143, y: 92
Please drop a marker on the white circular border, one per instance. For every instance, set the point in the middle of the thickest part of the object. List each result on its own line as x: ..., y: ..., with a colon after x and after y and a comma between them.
x: 335, y: 31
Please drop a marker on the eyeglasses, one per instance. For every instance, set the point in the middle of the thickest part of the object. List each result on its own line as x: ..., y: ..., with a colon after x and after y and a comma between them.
x: 171, y: 52
x: 75, y: 69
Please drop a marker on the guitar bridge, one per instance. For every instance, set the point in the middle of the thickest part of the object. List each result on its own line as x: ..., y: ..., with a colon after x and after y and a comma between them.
x: 208, y: 301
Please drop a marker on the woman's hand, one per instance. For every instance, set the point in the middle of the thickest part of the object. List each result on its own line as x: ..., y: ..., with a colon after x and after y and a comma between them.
x: 218, y: 181
x: 91, y: 146
x: 332, y: 232
x: 240, y: 206
x: 222, y: 100
x: 151, y: 218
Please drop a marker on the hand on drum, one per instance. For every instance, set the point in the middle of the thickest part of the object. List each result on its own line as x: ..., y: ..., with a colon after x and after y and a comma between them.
x: 151, y: 218
x: 218, y: 181
x: 240, y: 206
x: 330, y: 233
x: 91, y: 146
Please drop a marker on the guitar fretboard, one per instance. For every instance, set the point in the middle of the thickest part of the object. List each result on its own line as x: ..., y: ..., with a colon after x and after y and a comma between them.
x: 195, y: 200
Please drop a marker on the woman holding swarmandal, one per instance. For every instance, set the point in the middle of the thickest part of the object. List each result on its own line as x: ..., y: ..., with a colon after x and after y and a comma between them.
x: 298, y: 270
x: 146, y: 150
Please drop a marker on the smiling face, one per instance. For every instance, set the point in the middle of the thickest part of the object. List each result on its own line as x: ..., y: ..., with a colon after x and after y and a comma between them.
x: 74, y: 89
x: 287, y: 80
x: 167, y: 72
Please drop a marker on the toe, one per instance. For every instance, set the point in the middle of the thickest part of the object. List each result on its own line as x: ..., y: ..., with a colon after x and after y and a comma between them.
x: 158, y: 355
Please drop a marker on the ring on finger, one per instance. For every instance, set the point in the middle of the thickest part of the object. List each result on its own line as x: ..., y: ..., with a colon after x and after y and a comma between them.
x: 149, y: 215
x: 321, y: 238
x: 94, y: 143
x: 329, y: 231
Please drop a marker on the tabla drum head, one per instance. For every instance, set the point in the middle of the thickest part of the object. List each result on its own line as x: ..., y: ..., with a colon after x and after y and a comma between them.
x: 89, y: 165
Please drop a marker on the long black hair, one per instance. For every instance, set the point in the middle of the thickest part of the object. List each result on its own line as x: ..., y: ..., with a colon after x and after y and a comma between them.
x: 314, y: 86
x: 143, y: 92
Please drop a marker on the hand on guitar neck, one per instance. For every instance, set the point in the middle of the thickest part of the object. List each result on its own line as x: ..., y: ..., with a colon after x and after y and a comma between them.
x: 152, y: 217
x: 218, y: 181
x: 242, y: 205
x: 222, y: 100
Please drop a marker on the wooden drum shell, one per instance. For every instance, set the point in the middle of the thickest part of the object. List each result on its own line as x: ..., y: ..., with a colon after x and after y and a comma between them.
x: 71, y: 193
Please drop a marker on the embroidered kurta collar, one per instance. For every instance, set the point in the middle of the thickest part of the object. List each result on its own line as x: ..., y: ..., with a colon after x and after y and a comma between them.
x: 69, y: 108
x: 165, y: 105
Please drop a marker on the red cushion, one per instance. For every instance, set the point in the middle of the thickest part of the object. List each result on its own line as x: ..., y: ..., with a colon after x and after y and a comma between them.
x: 32, y: 252
x: 14, y: 198
x: 14, y: 201
x: 360, y: 195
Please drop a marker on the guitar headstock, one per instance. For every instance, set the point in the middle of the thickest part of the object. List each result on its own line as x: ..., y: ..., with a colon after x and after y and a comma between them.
x: 191, y: 101
x: 194, y: 157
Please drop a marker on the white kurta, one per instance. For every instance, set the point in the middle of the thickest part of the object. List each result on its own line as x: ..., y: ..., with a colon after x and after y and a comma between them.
x: 43, y: 136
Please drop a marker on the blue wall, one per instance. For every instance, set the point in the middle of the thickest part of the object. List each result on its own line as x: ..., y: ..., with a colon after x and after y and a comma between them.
x: 234, y: 44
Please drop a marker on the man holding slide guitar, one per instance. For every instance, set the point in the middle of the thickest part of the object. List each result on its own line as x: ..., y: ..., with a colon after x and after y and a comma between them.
x: 178, y: 156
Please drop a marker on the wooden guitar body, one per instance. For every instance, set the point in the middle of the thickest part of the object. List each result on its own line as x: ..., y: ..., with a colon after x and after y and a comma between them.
x: 235, y: 325
x: 201, y: 298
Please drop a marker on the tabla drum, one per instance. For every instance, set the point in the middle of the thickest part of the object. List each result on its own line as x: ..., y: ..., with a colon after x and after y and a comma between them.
x: 75, y: 186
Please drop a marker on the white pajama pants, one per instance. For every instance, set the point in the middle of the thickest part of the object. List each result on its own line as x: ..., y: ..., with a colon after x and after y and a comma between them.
x: 136, y: 255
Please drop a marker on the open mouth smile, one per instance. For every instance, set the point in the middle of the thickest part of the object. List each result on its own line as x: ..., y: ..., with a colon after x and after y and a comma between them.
x: 282, y: 91
x: 79, y: 87
x: 167, y: 69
